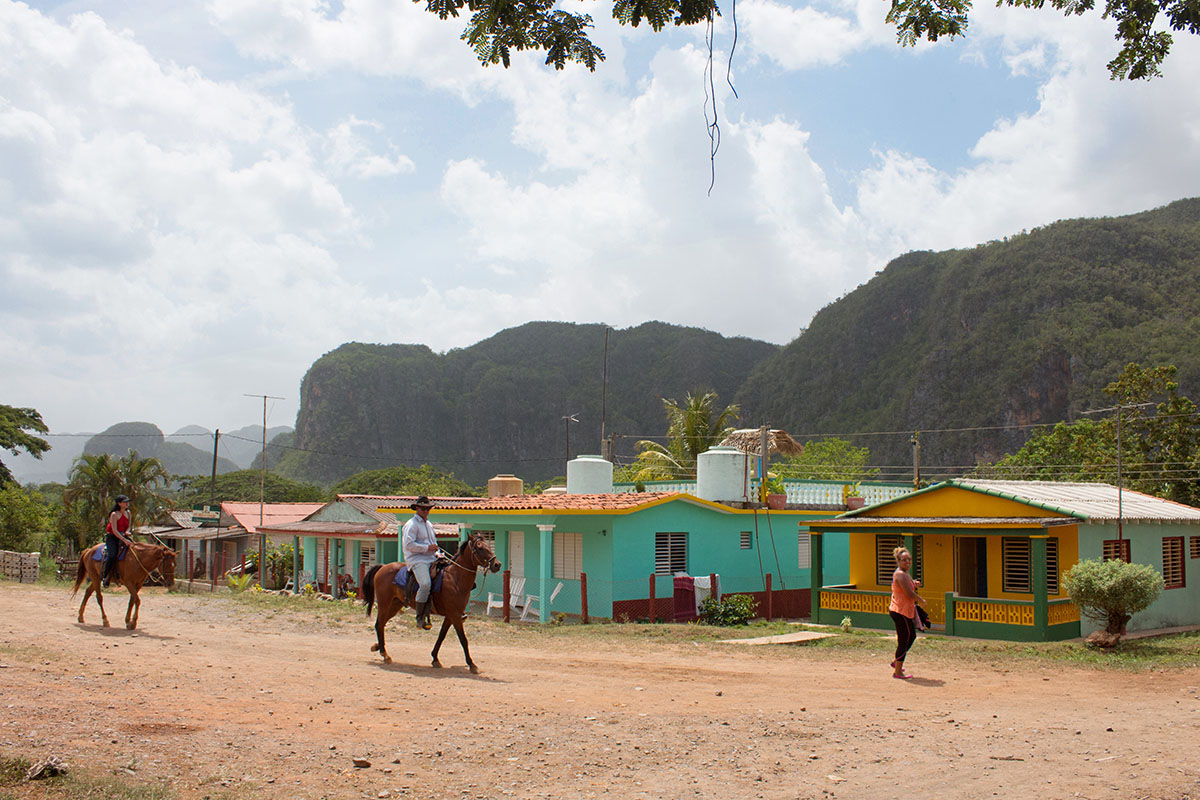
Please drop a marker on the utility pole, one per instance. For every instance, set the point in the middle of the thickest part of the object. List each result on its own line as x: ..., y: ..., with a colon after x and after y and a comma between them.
x: 212, y: 484
x: 262, y: 483
x: 915, y: 441
x: 567, y: 420
x: 1120, y: 409
x: 604, y: 392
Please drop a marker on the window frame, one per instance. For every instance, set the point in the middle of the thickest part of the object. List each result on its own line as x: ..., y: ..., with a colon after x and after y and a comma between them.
x: 1174, y: 543
x: 1115, y: 550
x: 672, y: 544
x: 568, y: 555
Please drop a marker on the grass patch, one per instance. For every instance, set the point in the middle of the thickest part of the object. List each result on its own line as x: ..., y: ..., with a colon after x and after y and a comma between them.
x: 29, y: 653
x: 72, y: 786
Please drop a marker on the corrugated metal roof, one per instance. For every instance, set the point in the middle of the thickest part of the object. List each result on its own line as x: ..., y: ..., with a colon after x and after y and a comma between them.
x: 310, y: 527
x: 1096, y: 502
x: 247, y: 515
x: 847, y: 521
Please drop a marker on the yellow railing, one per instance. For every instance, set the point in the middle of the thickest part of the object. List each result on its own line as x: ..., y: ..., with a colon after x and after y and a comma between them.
x: 936, y: 608
x: 1000, y: 613
x: 1063, y: 612
x: 876, y: 603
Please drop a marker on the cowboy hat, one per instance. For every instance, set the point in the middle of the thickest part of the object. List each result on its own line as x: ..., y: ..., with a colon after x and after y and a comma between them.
x: 421, y: 502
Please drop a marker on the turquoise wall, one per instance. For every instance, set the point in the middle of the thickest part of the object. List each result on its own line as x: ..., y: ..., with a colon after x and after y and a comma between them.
x: 1174, y: 607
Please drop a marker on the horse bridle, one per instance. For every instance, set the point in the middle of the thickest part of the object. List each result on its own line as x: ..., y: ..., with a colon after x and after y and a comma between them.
x: 471, y: 543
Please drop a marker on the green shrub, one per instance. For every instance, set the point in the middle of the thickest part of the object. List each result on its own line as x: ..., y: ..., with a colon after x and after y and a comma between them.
x: 1110, y: 592
x: 732, y: 609
x: 238, y: 583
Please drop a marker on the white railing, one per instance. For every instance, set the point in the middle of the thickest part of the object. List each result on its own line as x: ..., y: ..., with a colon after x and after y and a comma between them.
x: 813, y: 493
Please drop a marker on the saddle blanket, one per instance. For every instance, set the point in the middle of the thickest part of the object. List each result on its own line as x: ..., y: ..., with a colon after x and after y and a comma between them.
x: 401, y: 580
x: 99, y: 555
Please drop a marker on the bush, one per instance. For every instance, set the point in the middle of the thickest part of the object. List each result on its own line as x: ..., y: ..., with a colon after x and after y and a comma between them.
x: 732, y: 609
x: 1110, y: 592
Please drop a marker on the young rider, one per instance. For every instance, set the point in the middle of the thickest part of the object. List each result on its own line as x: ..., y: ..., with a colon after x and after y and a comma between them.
x: 115, y: 535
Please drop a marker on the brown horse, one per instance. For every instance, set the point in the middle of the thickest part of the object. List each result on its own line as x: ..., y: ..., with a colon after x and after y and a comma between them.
x: 458, y: 579
x: 132, y: 571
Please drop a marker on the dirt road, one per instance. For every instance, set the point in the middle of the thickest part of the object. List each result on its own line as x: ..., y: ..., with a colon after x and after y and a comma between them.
x: 234, y: 703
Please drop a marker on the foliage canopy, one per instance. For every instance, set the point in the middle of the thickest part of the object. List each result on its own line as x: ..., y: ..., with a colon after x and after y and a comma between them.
x: 1111, y: 592
x: 829, y: 459
x: 97, y: 479
x: 405, y: 481
x: 496, y: 28
x: 692, y: 428
x: 15, y: 424
x: 243, y: 486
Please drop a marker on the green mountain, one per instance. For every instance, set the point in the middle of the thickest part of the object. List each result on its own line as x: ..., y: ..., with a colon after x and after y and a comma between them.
x: 178, y: 458
x: 498, y: 405
x: 1009, y: 333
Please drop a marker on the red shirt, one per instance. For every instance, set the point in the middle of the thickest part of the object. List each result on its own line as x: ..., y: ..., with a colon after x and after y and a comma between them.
x: 122, y: 524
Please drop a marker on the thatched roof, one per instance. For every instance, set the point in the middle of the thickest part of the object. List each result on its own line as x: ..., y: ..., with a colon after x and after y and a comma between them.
x: 749, y: 440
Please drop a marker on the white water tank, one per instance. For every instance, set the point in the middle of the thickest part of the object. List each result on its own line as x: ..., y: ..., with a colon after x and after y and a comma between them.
x: 723, y: 474
x: 589, y: 475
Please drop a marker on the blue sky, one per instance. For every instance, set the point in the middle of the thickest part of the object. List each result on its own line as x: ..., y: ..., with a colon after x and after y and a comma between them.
x: 198, y: 199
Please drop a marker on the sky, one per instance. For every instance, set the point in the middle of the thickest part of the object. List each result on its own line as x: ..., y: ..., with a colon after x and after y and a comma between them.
x: 199, y: 199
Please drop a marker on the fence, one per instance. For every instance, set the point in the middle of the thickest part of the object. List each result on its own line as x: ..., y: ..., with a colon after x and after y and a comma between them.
x: 20, y: 567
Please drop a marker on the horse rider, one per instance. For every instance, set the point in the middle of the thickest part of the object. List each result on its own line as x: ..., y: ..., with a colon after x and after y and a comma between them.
x: 420, y: 551
x: 114, y: 535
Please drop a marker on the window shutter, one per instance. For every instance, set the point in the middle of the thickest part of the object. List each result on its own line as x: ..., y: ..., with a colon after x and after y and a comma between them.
x: 1052, y: 565
x: 1172, y: 555
x: 804, y: 546
x: 670, y: 553
x: 885, y: 562
x: 1015, y: 560
x: 568, y: 555
x: 1115, y: 550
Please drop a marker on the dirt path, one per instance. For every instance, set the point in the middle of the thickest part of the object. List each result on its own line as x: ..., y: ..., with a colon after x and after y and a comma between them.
x: 260, y: 705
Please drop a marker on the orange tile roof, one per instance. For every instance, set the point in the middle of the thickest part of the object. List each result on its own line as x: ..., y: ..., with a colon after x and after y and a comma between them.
x: 566, y: 502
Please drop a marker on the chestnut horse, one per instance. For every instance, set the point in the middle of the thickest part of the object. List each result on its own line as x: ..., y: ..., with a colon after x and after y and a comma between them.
x: 458, y: 579
x: 132, y: 571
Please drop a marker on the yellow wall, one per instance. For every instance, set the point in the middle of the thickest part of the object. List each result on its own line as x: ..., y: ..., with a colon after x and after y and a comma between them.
x: 939, y: 563
x: 951, y: 501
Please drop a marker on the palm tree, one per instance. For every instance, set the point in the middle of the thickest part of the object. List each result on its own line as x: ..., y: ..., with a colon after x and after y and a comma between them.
x: 691, y: 430
x: 97, y: 479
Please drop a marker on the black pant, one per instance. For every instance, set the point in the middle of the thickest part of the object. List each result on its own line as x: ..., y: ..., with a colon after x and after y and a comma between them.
x: 906, y: 634
x: 112, y: 548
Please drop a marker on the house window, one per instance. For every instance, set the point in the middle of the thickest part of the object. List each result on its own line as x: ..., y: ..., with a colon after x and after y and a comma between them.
x: 489, y: 537
x: 747, y: 540
x: 1194, y: 545
x: 1052, y: 565
x: 1015, y: 563
x: 804, y: 546
x: 918, y: 565
x: 366, y: 554
x: 885, y: 562
x: 1115, y: 550
x: 568, y: 555
x: 1172, y: 555
x: 670, y: 553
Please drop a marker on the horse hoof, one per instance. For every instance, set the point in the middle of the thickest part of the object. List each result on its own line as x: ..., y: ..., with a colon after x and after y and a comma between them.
x: 474, y: 670
x: 374, y: 648
x: 387, y: 659
x: 106, y: 624
x: 436, y: 664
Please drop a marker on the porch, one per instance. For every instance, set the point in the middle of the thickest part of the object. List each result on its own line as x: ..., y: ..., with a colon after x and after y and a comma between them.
x: 955, y: 615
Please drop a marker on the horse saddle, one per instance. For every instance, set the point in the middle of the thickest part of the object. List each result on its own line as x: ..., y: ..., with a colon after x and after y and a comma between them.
x: 408, y: 581
x: 102, y: 551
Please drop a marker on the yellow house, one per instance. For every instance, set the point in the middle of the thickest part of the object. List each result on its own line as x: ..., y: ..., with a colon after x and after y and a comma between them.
x: 991, y: 554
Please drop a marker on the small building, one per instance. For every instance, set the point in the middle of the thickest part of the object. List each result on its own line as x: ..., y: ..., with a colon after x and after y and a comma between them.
x: 991, y: 555
x: 627, y: 543
x: 349, y: 535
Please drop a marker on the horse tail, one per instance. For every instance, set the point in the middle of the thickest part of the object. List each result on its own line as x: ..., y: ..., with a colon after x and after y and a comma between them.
x: 368, y: 587
x: 80, y: 573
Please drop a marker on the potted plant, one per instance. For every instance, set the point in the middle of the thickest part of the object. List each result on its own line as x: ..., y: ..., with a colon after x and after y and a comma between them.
x: 852, y: 496
x: 776, y: 493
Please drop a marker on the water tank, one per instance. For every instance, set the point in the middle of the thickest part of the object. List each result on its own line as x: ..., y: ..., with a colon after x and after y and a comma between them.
x: 723, y: 474
x: 504, y: 485
x: 589, y: 475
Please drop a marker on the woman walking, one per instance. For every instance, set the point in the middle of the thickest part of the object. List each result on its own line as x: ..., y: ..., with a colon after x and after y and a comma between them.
x: 903, y: 609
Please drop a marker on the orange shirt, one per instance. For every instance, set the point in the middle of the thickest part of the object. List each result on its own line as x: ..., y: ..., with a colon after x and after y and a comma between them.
x: 902, y: 602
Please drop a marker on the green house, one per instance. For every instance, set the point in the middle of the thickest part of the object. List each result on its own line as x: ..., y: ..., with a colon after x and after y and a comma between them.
x: 991, y: 555
x: 627, y: 548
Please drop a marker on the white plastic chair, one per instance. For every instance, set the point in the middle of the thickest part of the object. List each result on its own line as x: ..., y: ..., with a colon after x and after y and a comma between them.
x: 532, y: 599
x: 306, y: 577
x: 516, y: 588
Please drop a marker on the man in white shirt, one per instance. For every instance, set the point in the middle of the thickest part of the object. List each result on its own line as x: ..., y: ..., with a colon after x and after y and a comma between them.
x: 420, y: 551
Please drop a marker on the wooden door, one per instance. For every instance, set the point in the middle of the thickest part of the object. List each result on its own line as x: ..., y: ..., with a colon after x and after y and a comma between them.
x: 516, y: 553
x: 970, y: 566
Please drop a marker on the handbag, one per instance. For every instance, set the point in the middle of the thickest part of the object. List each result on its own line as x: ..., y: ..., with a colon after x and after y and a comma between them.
x: 922, y: 619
